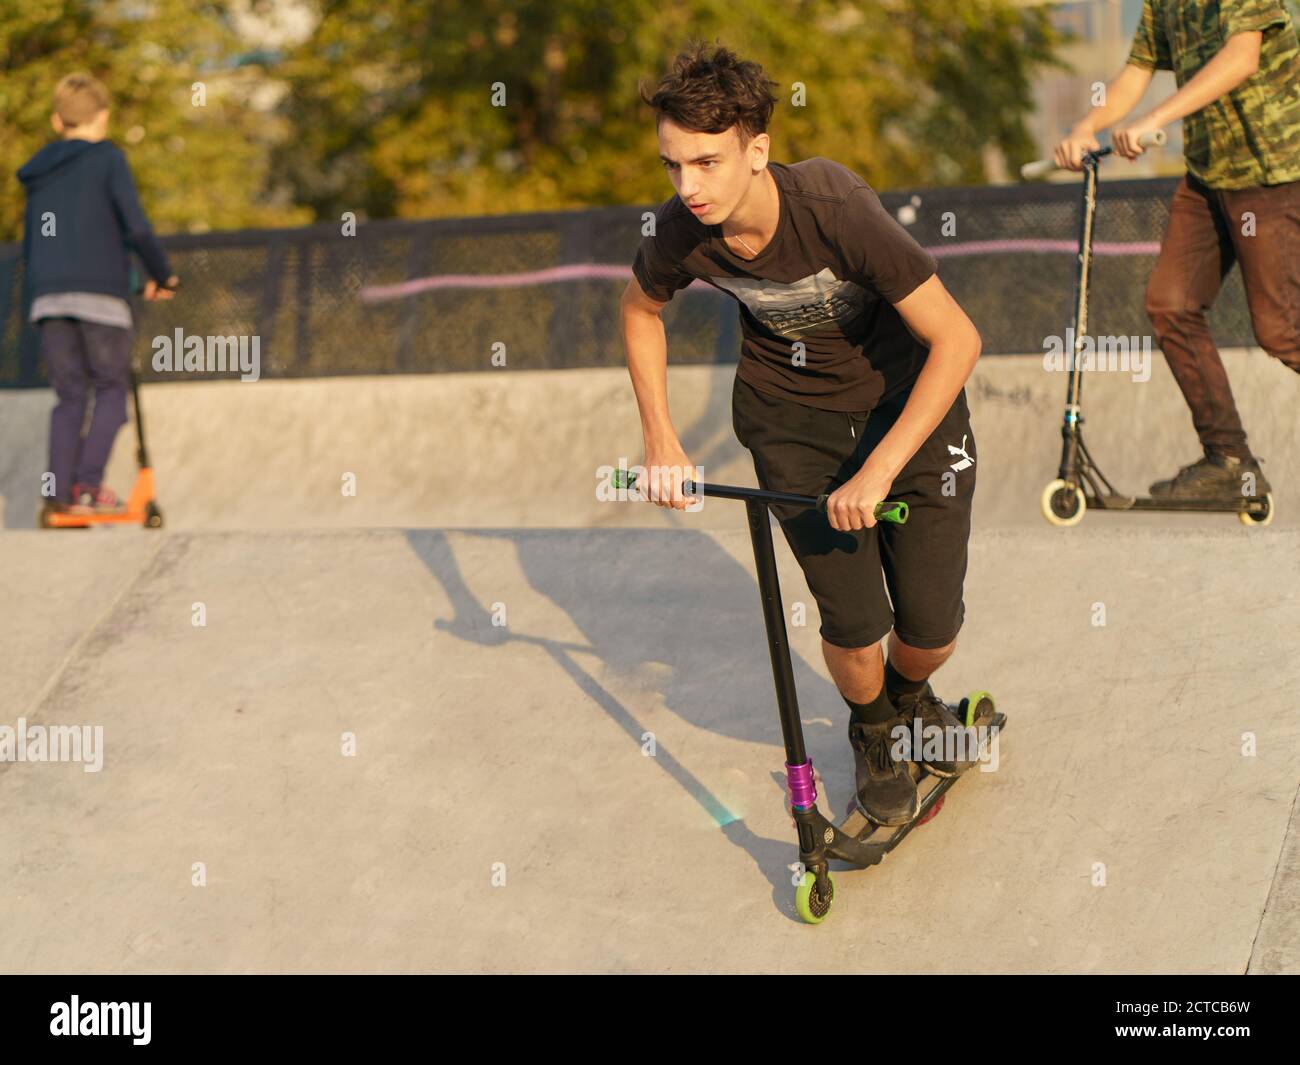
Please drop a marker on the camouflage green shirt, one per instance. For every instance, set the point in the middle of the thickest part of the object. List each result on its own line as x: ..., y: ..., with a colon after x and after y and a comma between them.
x: 1251, y: 135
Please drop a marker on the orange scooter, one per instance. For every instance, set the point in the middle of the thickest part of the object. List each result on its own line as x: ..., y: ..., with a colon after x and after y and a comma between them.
x: 141, y: 504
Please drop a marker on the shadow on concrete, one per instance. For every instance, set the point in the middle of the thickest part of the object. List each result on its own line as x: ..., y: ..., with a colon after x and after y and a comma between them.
x: 677, y: 607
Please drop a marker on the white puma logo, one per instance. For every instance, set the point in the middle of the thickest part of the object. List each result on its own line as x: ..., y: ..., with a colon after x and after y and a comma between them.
x: 966, y: 461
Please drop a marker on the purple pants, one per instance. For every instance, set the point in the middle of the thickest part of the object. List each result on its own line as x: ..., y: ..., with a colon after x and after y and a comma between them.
x: 84, y: 358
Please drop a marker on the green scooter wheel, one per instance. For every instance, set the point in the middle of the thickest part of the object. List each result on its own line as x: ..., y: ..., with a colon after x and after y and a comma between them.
x: 972, y: 711
x: 809, y: 902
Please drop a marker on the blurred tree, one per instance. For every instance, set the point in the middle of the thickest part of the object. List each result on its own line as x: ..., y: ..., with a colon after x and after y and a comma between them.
x: 198, y: 167
x: 392, y: 102
x: 387, y: 107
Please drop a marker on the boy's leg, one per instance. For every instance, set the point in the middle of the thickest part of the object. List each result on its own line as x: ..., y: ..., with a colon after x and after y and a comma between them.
x: 858, y: 672
x: 1269, y: 251
x: 1196, y: 254
x: 925, y: 569
x: 108, y: 355
x: 924, y: 561
x: 913, y: 665
x: 60, y: 341
x: 808, y: 451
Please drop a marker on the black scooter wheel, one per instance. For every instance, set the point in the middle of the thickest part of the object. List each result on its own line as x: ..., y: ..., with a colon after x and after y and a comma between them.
x: 152, y: 517
x: 1258, y: 519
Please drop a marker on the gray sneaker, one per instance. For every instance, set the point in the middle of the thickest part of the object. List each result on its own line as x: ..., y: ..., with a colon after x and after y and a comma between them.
x: 1212, y: 477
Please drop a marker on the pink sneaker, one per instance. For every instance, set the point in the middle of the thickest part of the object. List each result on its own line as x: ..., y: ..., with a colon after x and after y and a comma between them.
x: 100, y: 499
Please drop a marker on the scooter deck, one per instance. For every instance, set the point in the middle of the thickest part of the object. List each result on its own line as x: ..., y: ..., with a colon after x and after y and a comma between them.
x: 1247, y: 504
x: 140, y: 509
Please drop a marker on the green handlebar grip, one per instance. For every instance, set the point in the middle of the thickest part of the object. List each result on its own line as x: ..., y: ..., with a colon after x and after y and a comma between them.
x: 892, y: 510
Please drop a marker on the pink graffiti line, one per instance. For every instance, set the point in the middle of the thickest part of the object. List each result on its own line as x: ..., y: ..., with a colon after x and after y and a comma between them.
x: 1041, y: 247
x: 610, y: 272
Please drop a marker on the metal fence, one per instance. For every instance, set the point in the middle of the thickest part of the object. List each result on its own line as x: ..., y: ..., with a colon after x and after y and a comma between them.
x: 542, y: 289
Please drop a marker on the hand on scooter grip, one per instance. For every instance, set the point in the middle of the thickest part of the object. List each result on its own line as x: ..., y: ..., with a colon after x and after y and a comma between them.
x: 852, y: 506
x: 1070, y: 152
x: 1132, y: 141
x: 667, y: 470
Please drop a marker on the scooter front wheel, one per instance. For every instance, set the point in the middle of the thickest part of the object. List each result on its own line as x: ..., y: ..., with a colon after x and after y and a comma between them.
x: 1063, y: 504
x: 808, y: 901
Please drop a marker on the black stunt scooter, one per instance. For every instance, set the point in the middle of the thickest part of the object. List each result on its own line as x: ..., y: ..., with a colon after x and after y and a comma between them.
x: 1079, y: 485
x: 855, y: 840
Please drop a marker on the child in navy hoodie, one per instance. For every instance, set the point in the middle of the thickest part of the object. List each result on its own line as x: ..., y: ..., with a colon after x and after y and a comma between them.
x: 82, y: 215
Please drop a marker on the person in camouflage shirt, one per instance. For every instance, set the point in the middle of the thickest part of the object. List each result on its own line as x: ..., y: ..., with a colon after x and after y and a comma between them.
x: 1237, y: 65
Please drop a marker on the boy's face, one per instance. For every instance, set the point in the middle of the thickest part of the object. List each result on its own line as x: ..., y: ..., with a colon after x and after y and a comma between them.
x: 710, y: 171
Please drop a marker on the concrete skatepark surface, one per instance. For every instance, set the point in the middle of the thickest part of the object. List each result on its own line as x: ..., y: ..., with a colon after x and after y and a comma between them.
x: 498, y: 644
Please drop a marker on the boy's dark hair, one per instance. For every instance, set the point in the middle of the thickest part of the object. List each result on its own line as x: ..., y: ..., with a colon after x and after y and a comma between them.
x: 711, y: 93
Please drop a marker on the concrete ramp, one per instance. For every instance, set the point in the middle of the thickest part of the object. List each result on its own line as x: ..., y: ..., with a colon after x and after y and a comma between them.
x: 430, y: 750
x: 467, y: 717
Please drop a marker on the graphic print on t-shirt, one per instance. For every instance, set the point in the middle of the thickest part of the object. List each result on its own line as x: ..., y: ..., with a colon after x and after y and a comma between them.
x: 812, y: 304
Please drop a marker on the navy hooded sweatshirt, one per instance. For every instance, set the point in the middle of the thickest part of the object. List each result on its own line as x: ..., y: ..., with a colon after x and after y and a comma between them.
x: 87, y: 187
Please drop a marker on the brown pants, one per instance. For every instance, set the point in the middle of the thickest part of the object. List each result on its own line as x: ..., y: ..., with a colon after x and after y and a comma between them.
x: 1203, y: 239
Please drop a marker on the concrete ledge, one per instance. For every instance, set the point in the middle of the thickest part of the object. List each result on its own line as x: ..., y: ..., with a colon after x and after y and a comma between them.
x: 521, y: 448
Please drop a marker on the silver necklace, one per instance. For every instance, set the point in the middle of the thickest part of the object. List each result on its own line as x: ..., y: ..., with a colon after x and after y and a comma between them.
x: 747, y: 247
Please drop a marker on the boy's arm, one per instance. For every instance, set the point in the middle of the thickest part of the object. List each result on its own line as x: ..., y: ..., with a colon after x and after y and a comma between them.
x: 656, y: 275
x: 936, y: 319
x: 1120, y: 97
x: 647, y: 362
x: 1236, y: 61
x: 878, y: 251
x: 135, y: 225
x: 1148, y: 53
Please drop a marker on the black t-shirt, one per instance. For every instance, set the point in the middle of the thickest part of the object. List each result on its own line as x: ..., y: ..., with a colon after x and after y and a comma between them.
x: 827, y: 279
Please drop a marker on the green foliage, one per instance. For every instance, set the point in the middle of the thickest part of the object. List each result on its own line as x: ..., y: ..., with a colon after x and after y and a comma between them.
x: 388, y: 105
x: 904, y: 91
x: 197, y: 167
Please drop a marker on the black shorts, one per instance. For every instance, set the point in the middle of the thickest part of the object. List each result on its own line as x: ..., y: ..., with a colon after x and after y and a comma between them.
x: 809, y: 451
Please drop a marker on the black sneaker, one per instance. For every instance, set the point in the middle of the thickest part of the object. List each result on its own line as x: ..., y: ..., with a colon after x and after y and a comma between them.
x: 886, y: 790
x: 1212, y: 477
x: 933, y: 711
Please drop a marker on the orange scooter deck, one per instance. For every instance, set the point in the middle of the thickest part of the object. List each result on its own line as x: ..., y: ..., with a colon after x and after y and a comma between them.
x: 140, y: 509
